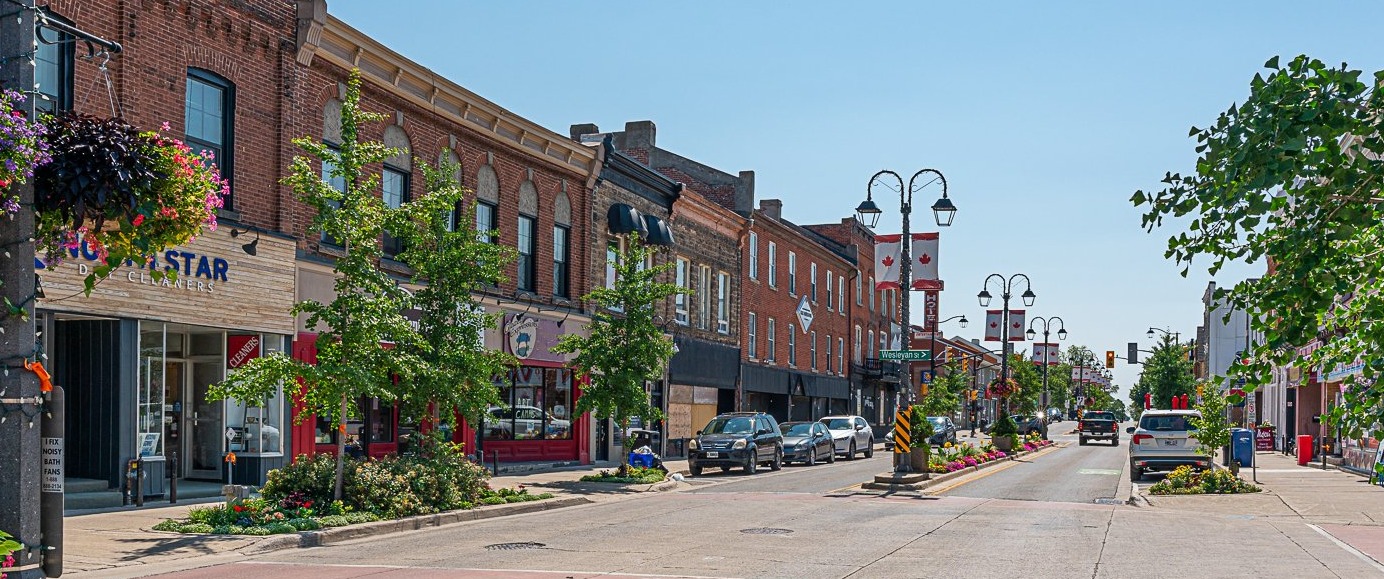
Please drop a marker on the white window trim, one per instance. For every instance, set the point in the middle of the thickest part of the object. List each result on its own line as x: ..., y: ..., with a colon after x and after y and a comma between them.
x: 682, y: 268
x: 830, y: 294
x: 773, y: 265
x: 813, y: 285
x: 770, y: 345
x: 722, y: 302
x: 792, y: 346
x: 792, y: 273
x: 841, y: 295
x: 704, y: 292
x: 840, y: 356
x: 751, y: 337
x: 858, y: 284
x: 754, y: 255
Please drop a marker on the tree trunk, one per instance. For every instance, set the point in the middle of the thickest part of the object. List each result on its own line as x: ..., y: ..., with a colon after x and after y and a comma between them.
x: 340, y: 451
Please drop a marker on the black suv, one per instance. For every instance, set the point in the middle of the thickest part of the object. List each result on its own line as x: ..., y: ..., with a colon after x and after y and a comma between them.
x: 743, y: 439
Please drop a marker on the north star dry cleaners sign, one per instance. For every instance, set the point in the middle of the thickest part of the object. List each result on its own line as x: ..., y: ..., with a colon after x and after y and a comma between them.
x: 194, y: 272
x: 804, y: 313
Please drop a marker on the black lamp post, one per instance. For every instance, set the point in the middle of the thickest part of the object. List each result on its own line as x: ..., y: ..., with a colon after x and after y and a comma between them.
x: 1061, y: 335
x: 1006, y: 288
x: 868, y: 214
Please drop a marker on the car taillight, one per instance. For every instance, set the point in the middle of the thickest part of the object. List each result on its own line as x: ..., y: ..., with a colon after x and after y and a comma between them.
x: 1081, y: 425
x: 1140, y: 438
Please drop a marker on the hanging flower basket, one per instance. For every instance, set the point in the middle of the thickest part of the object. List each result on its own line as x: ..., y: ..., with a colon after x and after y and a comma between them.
x: 126, y: 194
x: 22, y: 149
x: 1003, y: 389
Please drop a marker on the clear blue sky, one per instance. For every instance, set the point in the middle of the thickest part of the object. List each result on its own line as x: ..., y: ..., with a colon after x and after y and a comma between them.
x: 1044, y: 116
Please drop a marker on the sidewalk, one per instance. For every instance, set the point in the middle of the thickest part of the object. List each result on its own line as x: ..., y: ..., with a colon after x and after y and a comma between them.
x: 1306, y: 492
x: 119, y: 543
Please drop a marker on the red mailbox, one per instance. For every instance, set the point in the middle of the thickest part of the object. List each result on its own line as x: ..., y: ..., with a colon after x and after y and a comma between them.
x: 1304, y: 449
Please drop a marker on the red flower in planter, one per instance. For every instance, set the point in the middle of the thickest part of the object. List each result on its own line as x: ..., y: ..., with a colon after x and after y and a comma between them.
x: 238, y: 508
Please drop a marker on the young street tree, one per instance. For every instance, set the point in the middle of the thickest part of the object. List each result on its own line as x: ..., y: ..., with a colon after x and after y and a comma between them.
x: 367, y: 312
x: 1292, y: 176
x: 450, y: 262
x: 944, y: 394
x: 1167, y: 373
x: 624, y: 348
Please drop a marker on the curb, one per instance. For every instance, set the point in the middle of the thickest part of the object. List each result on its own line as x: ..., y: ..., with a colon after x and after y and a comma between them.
x: 414, y: 523
x: 939, y: 478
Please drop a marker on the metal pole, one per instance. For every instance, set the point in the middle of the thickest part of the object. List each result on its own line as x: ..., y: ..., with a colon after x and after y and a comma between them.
x: 51, y: 495
x: 1004, y: 345
x: 905, y: 286
x: 21, y: 453
x: 1046, y: 418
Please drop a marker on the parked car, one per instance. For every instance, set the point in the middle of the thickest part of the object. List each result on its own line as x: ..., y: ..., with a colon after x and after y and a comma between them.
x: 943, y: 430
x: 1056, y: 415
x: 851, y: 435
x: 736, y: 439
x: 1099, y: 425
x: 1163, y: 441
x: 1028, y: 424
x: 807, y: 442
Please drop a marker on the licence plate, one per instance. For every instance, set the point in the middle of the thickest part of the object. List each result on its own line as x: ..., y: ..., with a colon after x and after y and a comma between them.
x: 1169, y: 443
x: 712, y: 455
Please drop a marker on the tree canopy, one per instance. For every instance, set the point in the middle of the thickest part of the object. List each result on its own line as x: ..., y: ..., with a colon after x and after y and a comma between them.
x: 1291, y: 177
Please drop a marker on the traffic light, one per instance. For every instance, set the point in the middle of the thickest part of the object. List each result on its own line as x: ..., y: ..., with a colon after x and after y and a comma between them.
x: 1109, y: 358
x: 950, y: 352
x: 965, y: 364
x: 1199, y: 391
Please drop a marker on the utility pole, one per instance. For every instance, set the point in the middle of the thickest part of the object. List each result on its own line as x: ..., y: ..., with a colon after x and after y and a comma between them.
x: 19, y: 388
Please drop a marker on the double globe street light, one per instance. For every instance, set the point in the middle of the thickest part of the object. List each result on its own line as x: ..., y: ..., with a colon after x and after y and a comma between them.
x: 1061, y: 335
x: 1006, y: 288
x: 868, y: 214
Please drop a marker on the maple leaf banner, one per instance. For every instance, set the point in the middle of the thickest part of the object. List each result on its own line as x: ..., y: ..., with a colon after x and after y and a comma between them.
x: 888, y: 252
x: 1045, y: 353
x: 889, y: 261
x: 993, y: 319
x: 924, y: 255
x: 1016, y: 325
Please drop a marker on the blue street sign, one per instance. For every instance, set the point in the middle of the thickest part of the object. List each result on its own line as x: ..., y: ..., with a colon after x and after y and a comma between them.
x: 927, y: 376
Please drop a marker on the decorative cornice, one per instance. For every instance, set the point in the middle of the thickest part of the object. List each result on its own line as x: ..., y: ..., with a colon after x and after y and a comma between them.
x: 348, y: 48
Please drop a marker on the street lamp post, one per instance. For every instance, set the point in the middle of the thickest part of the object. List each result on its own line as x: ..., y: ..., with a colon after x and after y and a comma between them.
x: 1006, y: 287
x: 1061, y: 335
x: 868, y: 214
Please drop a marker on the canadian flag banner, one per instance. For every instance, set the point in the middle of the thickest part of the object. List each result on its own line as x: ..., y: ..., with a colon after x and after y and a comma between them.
x: 1076, y: 373
x: 1044, y: 353
x: 887, y: 256
x: 992, y: 325
x: 1016, y: 325
x: 924, y: 254
x: 889, y: 261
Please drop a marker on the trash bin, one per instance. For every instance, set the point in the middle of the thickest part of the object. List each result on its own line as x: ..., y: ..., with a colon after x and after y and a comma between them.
x: 1242, y: 446
x: 1304, y: 449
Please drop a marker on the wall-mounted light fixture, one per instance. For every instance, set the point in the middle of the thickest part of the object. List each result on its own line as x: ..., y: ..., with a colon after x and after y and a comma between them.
x: 249, y: 248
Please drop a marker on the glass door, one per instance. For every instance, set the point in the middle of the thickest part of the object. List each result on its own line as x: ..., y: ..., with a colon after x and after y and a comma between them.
x: 206, y: 436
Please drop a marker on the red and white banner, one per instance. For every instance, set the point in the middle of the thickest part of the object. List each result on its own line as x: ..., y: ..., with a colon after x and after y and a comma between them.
x: 1044, y: 353
x: 889, y: 261
x: 992, y: 325
x: 1016, y: 325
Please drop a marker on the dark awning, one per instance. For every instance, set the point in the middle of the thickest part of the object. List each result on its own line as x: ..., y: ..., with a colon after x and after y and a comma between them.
x: 702, y: 363
x: 659, y: 233
x: 622, y: 219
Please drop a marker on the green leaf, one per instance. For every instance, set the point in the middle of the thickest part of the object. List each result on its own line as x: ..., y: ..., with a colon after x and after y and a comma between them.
x: 1271, y: 63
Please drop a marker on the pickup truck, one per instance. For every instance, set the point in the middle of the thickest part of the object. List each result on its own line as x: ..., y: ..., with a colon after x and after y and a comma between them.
x: 1098, y: 425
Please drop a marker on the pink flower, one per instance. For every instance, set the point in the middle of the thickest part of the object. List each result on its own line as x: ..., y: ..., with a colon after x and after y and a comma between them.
x: 165, y: 127
x: 139, y: 219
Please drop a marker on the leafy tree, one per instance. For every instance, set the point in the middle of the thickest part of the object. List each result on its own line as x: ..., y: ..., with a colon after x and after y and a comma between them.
x: 624, y: 348
x: 1292, y: 176
x: 1025, y: 374
x: 944, y: 394
x: 452, y: 263
x: 367, y: 311
x: 1167, y: 373
x: 1213, y: 428
x: 1136, y: 398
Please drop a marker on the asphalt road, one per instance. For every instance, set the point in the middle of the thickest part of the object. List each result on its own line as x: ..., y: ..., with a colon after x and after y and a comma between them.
x: 1033, y: 519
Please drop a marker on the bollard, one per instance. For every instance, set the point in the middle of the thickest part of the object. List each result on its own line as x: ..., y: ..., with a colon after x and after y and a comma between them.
x: 139, y: 482
x: 495, y: 463
x: 51, y: 495
x: 128, y: 496
x: 173, y: 477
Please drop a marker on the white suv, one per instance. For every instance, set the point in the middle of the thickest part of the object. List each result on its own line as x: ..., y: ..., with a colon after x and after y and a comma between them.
x: 1163, y: 441
x: 850, y: 435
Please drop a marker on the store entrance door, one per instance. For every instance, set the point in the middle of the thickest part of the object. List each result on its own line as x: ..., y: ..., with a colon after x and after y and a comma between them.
x: 203, y: 424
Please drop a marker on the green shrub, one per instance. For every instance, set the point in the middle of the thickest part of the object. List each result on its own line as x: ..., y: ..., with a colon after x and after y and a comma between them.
x: 280, y: 528
x: 1186, y: 481
x: 545, y: 495
x: 210, y: 515
x: 257, y: 531
x: 493, y: 501
x: 334, y: 521
x: 920, y: 428
x: 312, y: 475
x: 168, y: 525
x: 358, y: 517
x: 221, y: 530
x: 515, y: 498
x: 304, y: 524
x: 202, y: 528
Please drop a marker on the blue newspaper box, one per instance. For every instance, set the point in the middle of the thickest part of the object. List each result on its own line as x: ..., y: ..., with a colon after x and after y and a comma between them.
x: 1242, y: 446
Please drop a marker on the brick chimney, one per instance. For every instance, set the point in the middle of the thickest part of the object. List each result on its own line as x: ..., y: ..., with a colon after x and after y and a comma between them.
x: 772, y: 208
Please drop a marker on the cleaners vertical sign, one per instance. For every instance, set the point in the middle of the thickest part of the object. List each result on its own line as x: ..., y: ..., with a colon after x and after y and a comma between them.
x: 241, y: 348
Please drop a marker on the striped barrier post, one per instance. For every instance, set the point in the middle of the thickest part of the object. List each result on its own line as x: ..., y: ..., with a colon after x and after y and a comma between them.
x: 902, y: 432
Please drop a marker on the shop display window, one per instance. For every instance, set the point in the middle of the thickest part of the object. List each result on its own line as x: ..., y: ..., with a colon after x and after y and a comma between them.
x: 152, y: 408
x: 539, y: 406
x: 259, y: 427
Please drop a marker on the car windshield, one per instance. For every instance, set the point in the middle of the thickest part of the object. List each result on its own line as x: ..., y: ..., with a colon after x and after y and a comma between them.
x: 1166, y: 423
x: 736, y: 425
x: 838, y: 423
x: 937, y: 421
x: 796, y: 428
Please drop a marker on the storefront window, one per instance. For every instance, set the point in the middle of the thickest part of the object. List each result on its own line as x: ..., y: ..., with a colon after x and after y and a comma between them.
x: 259, y: 427
x: 151, y: 405
x: 539, y: 406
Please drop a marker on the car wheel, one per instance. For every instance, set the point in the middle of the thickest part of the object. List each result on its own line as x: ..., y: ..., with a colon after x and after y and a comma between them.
x: 696, y: 470
x: 812, y: 457
x: 870, y: 450
x: 1115, y: 442
x: 1081, y: 441
x: 1136, y: 474
x: 751, y: 461
x: 725, y: 469
x: 850, y: 451
x: 831, y: 454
